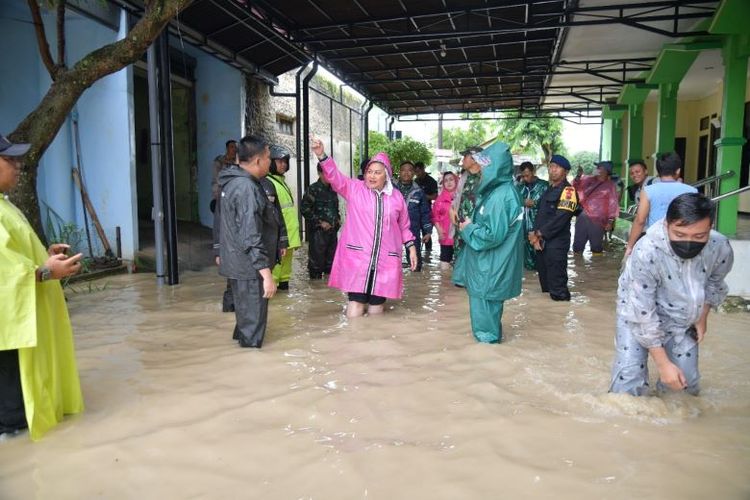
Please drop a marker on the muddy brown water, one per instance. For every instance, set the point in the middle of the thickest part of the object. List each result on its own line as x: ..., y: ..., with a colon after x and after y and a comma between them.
x: 406, y: 405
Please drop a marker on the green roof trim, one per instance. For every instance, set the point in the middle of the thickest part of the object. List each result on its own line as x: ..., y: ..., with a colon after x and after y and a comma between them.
x: 731, y: 18
x: 614, y: 111
x: 671, y: 66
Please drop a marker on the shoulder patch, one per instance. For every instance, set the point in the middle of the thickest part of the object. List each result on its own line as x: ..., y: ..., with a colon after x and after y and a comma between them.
x: 568, y: 199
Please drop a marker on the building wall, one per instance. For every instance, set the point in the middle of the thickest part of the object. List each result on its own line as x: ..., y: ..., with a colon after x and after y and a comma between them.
x: 261, y: 113
x: 689, y: 114
x: 220, y: 104
x: 106, y: 139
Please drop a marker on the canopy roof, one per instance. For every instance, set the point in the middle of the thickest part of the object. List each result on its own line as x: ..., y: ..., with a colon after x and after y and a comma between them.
x: 455, y: 55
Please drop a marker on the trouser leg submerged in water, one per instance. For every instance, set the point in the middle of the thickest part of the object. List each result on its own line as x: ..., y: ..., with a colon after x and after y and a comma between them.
x: 630, y: 367
x: 12, y: 410
x: 552, y: 265
x: 486, y: 319
x: 227, y: 301
x: 588, y: 230
x: 251, y: 311
x: 321, y: 250
x: 283, y: 271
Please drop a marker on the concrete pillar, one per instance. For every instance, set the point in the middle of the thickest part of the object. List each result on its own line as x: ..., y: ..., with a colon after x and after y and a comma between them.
x: 635, y: 144
x: 635, y: 132
x: 666, y: 117
x: 731, y: 141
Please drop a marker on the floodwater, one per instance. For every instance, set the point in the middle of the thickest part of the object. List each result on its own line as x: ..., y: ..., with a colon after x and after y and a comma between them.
x: 406, y: 405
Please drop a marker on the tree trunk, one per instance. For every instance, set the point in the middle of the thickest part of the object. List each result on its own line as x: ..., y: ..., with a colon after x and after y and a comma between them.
x: 42, y: 125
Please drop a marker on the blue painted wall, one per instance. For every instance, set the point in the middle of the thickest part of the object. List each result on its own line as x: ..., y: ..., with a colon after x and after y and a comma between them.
x: 105, y: 117
x: 219, y: 95
x: 104, y: 113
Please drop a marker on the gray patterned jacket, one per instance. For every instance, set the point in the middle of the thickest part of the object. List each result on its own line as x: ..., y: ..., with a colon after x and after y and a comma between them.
x: 660, y: 294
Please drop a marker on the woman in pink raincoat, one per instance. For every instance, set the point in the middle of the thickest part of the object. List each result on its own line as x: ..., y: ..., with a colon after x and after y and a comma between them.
x: 367, y: 264
x: 441, y: 218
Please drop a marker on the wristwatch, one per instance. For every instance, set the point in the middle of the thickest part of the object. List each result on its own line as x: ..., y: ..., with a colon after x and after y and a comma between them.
x: 44, y: 274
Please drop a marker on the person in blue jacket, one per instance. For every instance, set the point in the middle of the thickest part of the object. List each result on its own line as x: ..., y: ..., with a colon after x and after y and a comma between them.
x: 492, y: 258
x: 420, y: 216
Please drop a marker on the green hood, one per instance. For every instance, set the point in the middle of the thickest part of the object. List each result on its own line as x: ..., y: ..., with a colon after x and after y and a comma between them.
x: 500, y: 169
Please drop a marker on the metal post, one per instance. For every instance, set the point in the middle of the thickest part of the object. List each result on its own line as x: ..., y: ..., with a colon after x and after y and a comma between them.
x: 170, y: 210
x: 330, y: 101
x: 351, y: 147
x: 366, y: 128
x: 362, y: 131
x: 157, y: 212
x: 440, y: 139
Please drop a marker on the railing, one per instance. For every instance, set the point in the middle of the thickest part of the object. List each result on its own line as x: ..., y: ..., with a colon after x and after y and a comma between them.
x: 712, y: 187
x: 731, y: 193
x: 712, y: 183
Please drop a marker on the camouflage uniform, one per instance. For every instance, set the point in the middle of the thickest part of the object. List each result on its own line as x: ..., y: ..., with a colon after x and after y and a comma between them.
x: 321, y: 204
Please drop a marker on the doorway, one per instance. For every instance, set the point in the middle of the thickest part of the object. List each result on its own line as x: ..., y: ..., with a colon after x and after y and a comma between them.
x: 185, y: 152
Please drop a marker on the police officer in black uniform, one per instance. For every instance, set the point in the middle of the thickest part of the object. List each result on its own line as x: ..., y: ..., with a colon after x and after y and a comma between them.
x: 551, y: 234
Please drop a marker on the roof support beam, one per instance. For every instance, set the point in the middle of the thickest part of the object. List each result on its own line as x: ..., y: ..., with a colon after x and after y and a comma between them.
x: 633, y: 21
x: 429, y: 48
x: 634, y: 6
x: 601, y: 73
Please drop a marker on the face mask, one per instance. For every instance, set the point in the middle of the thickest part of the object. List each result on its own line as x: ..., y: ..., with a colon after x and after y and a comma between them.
x: 687, y: 249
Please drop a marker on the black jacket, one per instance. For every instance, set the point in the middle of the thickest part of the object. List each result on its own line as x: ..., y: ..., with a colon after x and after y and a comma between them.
x: 556, y: 208
x: 248, y: 223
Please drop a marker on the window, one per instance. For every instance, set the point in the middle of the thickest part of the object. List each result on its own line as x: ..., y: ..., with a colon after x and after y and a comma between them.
x: 285, y: 125
x: 704, y: 123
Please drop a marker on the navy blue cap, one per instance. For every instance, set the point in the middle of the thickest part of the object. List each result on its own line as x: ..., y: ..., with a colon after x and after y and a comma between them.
x: 560, y: 160
x: 606, y: 165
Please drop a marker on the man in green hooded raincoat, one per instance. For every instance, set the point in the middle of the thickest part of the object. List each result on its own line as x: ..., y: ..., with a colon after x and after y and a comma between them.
x: 38, y: 375
x: 492, y: 257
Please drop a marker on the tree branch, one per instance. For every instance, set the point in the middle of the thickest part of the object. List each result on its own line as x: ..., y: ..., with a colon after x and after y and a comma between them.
x: 41, y: 38
x: 41, y: 125
x: 61, y: 34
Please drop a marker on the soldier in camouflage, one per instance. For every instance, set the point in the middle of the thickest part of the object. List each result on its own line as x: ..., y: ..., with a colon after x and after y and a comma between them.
x: 320, y: 208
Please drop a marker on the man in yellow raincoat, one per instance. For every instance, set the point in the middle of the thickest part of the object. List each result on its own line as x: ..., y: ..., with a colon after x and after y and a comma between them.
x: 279, y: 166
x: 38, y: 375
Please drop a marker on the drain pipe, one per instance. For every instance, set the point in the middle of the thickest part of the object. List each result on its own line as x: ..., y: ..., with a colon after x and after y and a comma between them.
x: 157, y: 212
x: 298, y: 114
x: 306, y: 124
x: 170, y: 208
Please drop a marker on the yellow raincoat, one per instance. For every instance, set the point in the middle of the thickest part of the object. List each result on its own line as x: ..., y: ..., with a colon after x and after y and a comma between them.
x: 35, y: 321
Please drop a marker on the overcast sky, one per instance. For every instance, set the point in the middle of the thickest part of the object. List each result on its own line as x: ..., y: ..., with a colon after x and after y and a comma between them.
x: 576, y: 137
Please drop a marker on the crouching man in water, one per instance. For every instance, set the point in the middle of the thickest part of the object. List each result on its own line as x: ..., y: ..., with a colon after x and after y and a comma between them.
x: 673, y: 277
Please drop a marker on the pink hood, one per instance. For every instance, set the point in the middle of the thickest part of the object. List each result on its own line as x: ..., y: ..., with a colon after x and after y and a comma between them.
x: 441, y: 208
x: 366, y: 239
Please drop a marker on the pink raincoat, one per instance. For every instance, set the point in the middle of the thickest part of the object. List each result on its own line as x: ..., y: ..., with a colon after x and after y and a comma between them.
x: 598, y: 198
x: 441, y: 216
x: 369, y: 251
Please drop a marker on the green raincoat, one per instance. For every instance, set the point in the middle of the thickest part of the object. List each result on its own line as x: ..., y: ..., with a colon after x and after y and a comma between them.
x: 35, y: 321
x: 533, y: 192
x: 491, y: 266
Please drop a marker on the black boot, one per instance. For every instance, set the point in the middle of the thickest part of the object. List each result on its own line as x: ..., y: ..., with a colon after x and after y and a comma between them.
x: 283, y: 285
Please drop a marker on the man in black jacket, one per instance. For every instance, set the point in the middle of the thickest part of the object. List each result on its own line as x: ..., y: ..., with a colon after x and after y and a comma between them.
x: 248, y: 239
x: 551, y: 234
